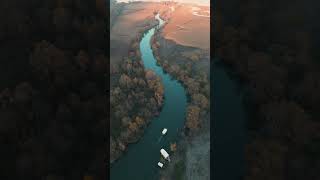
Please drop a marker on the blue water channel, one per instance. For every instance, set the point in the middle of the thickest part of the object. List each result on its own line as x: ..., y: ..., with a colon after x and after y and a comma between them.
x: 140, y: 160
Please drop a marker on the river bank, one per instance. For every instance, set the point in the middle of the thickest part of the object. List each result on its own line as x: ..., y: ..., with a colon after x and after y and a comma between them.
x: 191, y: 66
x: 129, y: 81
x: 143, y: 93
x: 194, y: 76
x: 172, y: 116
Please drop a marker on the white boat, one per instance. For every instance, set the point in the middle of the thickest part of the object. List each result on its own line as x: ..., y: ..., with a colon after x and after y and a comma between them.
x: 160, y: 164
x: 165, y: 154
x: 164, y: 131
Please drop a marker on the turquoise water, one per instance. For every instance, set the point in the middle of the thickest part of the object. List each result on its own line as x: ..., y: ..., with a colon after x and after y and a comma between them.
x: 140, y: 161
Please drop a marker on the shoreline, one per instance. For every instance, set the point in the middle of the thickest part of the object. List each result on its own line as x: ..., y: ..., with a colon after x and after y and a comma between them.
x: 175, y: 108
x: 141, y: 131
x: 186, y: 138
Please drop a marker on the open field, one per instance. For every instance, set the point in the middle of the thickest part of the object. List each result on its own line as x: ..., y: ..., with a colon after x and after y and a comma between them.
x: 133, y: 19
x: 199, y: 2
x: 188, y: 25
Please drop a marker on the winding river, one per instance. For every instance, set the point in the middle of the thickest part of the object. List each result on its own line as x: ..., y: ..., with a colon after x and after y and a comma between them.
x: 140, y: 160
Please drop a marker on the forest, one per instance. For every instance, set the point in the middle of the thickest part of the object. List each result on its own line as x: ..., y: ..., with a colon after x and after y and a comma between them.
x: 273, y: 50
x: 136, y: 95
x: 52, y: 95
x: 190, y: 66
x: 196, y: 83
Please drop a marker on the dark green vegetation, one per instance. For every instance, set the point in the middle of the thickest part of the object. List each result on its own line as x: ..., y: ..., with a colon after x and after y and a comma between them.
x: 270, y: 46
x: 53, y: 114
x: 179, y: 169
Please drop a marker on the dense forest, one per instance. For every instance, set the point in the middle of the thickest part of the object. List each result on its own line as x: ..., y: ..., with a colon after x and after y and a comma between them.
x: 135, y: 100
x: 273, y: 48
x: 53, y: 115
x: 194, y: 80
x: 136, y: 94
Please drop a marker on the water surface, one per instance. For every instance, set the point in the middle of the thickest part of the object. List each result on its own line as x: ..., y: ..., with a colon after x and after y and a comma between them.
x: 229, y: 117
x: 140, y: 161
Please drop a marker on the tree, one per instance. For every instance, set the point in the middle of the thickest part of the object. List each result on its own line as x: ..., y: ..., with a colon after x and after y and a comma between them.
x: 201, y: 101
x: 141, y: 83
x: 82, y: 60
x: 87, y: 177
x: 23, y: 93
x: 140, y: 122
x: 62, y: 20
x: 193, y: 121
x: 194, y: 57
x: 150, y: 75
x: 46, y: 59
x: 287, y: 120
x: 173, y: 147
x: 101, y: 6
x: 192, y: 86
x: 125, y: 121
x: 266, y: 158
x: 125, y: 81
x: 133, y: 127
x: 206, y: 90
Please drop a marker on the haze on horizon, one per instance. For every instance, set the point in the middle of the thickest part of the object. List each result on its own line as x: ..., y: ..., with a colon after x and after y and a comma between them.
x: 199, y: 2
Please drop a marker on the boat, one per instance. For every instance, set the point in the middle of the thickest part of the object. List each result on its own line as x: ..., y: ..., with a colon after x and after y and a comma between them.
x: 165, y: 154
x: 164, y: 131
x: 160, y: 164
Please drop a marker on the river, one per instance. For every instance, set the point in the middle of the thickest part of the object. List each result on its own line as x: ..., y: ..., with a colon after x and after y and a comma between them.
x: 140, y: 160
x: 229, y: 130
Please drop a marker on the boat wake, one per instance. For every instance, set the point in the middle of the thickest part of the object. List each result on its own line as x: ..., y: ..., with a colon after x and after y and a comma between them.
x: 160, y: 139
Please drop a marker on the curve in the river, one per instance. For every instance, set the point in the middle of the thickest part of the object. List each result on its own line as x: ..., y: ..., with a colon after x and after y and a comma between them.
x: 140, y: 161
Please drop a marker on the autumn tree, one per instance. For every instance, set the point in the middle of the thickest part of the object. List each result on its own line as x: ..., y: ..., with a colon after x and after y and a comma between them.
x: 193, y: 117
x: 192, y: 86
x: 23, y: 93
x: 62, y: 20
x: 125, y: 121
x: 133, y: 127
x: 82, y: 60
x: 101, y: 6
x: 201, y: 101
x: 140, y: 122
x: 125, y: 81
x: 173, y: 147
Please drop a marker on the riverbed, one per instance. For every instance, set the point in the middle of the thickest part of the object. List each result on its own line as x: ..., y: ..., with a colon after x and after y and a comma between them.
x: 140, y: 160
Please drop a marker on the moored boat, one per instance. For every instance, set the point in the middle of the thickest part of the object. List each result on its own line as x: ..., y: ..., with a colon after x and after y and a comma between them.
x: 160, y: 164
x: 164, y: 131
x: 165, y: 154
